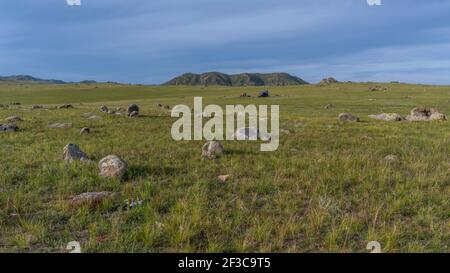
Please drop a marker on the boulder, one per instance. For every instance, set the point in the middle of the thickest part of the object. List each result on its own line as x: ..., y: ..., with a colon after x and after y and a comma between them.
x: 132, y: 108
x: 72, y: 152
x: 8, y: 128
x: 212, y: 149
x: 14, y: 119
x: 387, y: 117
x: 112, y: 166
x: 91, y: 199
x: 346, y: 117
x: 425, y: 114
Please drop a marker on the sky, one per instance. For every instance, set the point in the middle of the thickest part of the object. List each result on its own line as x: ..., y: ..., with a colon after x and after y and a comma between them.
x: 149, y: 42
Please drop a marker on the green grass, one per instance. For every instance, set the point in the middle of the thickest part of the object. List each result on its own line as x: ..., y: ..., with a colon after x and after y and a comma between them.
x: 326, y: 189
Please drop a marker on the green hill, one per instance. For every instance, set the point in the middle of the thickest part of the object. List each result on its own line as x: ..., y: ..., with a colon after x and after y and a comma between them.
x: 245, y: 79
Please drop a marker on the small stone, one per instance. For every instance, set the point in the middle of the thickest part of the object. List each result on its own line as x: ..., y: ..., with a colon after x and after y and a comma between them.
x: 72, y: 152
x: 345, y: 117
x: 65, y: 106
x: 104, y: 109
x: 212, y: 149
x: 14, y: 119
x: 8, y: 128
x: 91, y: 199
x: 223, y: 178
x: 167, y: 107
x: 34, y: 107
x: 94, y: 117
x: 328, y: 106
x: 391, y: 158
x: 112, y: 166
x: 387, y: 117
x: 134, y: 114
x: 85, y: 131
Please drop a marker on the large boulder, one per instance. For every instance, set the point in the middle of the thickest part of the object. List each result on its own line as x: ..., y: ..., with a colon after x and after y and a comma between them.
x: 72, y: 152
x: 132, y: 108
x: 425, y: 114
x: 346, y: 117
x: 112, y: 166
x: 387, y: 117
x: 212, y: 149
x: 8, y: 128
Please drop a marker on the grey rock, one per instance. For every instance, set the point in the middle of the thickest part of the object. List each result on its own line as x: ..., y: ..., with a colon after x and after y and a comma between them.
x: 85, y: 131
x: 72, y: 152
x: 112, y: 166
x: 8, y: 128
x: 387, y: 117
x: 132, y: 108
x: 14, y: 119
x: 104, y: 109
x: 346, y: 117
x: 425, y: 114
x: 134, y: 114
x: 91, y: 198
x: 212, y: 149
x: 65, y: 106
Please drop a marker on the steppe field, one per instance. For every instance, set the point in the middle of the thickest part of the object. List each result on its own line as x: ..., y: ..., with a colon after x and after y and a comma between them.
x: 328, y: 188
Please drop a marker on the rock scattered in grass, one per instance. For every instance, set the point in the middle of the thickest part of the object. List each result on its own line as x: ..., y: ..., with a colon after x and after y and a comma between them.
x: 378, y: 88
x: 14, y: 119
x: 132, y: 108
x: 212, y: 149
x: 104, y: 109
x: 167, y: 107
x: 134, y: 114
x: 94, y: 117
x: 91, y: 199
x: 72, y: 152
x: 8, y: 128
x: 387, y: 117
x: 346, y: 117
x: 112, y: 166
x: 248, y: 133
x: 85, y: 131
x: 60, y: 125
x: 390, y: 158
x: 35, y: 107
x: 425, y: 114
x: 328, y: 106
x: 223, y: 178
x: 65, y: 106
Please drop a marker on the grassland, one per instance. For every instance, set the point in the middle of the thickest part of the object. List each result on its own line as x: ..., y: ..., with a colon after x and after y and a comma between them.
x: 326, y: 189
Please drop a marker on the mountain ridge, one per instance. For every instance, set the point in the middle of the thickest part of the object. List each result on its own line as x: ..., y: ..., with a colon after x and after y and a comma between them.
x: 243, y: 79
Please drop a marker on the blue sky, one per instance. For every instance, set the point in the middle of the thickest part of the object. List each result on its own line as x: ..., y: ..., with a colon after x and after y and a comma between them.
x: 142, y: 41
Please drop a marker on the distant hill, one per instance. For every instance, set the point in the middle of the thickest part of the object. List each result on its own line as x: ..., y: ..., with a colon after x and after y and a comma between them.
x: 245, y: 79
x: 28, y: 79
